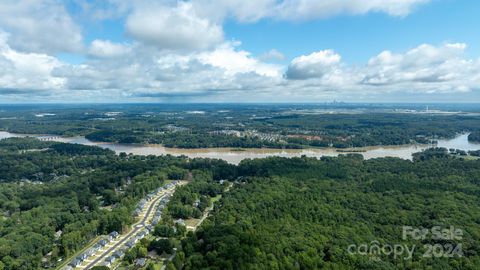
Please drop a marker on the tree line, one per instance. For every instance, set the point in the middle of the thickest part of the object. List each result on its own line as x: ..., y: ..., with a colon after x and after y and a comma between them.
x: 55, y: 198
x: 304, y: 213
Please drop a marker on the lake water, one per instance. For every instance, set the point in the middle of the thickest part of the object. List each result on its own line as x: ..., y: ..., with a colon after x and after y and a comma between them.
x: 234, y: 157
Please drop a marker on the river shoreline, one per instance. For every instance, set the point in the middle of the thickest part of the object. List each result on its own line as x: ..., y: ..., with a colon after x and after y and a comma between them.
x: 234, y: 156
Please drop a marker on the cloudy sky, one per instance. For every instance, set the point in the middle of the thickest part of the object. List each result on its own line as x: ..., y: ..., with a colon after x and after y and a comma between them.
x: 239, y: 51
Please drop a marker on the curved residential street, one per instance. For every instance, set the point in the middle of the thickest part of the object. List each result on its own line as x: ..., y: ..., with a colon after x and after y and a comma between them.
x: 120, y: 241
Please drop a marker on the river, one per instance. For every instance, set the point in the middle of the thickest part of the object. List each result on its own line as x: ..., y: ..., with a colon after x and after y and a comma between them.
x: 234, y: 157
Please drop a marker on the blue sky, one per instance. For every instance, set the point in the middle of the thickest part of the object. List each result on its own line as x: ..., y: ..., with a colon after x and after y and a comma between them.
x: 245, y: 51
x: 359, y: 37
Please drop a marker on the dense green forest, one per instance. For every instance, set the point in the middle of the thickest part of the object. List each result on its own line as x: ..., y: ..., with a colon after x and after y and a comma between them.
x: 248, y: 126
x: 304, y: 213
x: 55, y: 197
x: 299, y: 131
x: 183, y: 201
x: 299, y: 213
x: 186, y: 139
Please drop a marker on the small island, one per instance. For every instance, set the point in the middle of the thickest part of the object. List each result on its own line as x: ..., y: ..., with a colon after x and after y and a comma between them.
x: 474, y: 137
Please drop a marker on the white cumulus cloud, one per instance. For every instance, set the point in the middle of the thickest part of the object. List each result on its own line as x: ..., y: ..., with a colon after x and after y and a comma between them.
x: 106, y: 48
x: 26, y: 71
x: 40, y: 26
x: 273, y: 54
x: 232, y: 61
x: 314, y: 65
x: 178, y: 49
x: 300, y: 10
x: 149, y: 72
x: 442, y: 67
x: 423, y: 69
x: 314, y: 9
x: 173, y: 27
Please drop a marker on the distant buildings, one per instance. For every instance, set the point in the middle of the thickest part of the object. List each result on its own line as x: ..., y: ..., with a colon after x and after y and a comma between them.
x: 271, y: 137
x: 173, y: 128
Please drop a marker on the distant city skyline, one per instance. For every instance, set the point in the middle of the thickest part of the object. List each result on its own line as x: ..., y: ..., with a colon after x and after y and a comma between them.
x: 265, y: 51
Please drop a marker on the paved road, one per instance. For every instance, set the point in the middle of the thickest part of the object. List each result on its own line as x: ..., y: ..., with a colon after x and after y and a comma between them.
x: 130, y: 234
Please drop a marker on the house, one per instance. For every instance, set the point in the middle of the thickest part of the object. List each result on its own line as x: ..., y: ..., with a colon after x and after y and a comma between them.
x: 179, y: 221
x: 113, y: 235
x: 103, y: 242
x: 96, y: 247
x: 141, y: 234
x: 118, y: 253
x: 67, y: 267
x: 90, y: 252
x: 82, y: 257
x: 58, y: 234
x: 140, y: 262
x: 130, y: 243
x: 110, y: 259
x: 75, y: 262
x: 155, y: 220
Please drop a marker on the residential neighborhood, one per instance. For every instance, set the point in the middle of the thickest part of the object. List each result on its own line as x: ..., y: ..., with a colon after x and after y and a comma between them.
x: 113, y: 246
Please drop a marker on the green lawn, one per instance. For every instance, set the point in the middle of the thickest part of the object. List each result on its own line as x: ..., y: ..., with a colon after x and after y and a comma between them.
x: 91, y: 243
